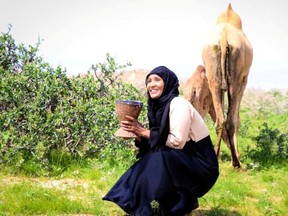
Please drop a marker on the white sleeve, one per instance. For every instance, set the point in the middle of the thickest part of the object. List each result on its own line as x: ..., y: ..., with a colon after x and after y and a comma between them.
x: 180, y: 122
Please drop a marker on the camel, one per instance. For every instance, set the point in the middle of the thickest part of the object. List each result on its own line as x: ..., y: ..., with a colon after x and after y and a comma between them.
x: 227, y: 58
x: 196, y: 91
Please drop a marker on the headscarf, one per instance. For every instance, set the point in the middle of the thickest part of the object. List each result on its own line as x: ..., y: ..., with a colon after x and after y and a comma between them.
x: 158, y: 109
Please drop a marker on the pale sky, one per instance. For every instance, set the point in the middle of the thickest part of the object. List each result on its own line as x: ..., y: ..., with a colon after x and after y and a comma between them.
x: 148, y: 33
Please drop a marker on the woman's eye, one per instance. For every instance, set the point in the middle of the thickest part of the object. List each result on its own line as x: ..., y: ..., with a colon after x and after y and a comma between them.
x: 157, y: 80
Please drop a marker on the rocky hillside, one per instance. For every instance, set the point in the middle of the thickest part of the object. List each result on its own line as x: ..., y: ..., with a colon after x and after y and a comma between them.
x: 137, y: 78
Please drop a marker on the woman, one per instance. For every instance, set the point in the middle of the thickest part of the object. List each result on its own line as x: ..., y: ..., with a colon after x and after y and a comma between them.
x: 177, y: 161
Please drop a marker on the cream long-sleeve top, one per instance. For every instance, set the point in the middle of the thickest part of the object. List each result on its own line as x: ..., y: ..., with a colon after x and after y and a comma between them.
x: 185, y: 124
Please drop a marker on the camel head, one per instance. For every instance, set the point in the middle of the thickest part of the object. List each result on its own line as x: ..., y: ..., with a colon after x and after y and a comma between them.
x: 200, y: 69
x: 196, y: 91
x: 230, y: 16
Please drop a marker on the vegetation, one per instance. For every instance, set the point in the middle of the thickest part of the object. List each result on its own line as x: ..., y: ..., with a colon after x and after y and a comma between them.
x: 45, y: 115
x: 58, y: 155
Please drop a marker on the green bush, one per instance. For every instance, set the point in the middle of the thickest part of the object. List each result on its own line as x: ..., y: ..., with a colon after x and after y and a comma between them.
x: 14, y: 57
x: 271, y: 147
x: 43, y: 111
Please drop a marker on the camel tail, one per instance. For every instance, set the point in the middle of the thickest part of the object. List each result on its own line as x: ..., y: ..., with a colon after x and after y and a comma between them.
x: 224, y: 55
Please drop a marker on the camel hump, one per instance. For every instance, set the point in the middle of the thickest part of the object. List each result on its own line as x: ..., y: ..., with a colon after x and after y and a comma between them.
x: 230, y: 16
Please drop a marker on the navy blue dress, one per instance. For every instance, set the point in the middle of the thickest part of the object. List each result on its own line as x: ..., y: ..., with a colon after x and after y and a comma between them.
x: 172, y: 177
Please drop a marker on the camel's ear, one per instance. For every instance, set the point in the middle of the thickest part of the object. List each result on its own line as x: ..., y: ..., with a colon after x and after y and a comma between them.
x: 200, y: 68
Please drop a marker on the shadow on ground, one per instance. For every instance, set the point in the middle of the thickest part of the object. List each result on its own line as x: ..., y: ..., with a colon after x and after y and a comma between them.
x: 217, y: 211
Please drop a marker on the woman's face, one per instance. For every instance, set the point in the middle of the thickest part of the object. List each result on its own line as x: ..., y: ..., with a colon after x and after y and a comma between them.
x: 155, y: 86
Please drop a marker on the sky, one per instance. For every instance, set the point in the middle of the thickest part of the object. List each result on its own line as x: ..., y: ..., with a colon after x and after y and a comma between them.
x: 76, y: 34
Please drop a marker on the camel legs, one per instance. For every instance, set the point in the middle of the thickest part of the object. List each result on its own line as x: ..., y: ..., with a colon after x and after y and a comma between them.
x: 232, y: 126
x: 212, y: 114
x: 235, y: 93
x: 217, y: 114
x: 227, y: 129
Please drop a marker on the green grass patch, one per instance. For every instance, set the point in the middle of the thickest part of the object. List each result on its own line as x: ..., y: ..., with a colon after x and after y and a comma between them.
x: 245, y: 192
x: 30, y: 198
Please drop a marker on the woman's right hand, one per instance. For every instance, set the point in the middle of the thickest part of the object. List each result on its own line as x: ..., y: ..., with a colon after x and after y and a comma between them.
x: 132, y: 125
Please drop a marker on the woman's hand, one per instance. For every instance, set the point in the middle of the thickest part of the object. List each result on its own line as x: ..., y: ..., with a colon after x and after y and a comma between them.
x: 132, y: 125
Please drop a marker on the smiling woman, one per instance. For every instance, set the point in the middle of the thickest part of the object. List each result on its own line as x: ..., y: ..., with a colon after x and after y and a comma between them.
x: 177, y: 162
x: 155, y: 86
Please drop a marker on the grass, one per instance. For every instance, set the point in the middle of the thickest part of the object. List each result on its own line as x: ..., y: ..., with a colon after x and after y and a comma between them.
x: 250, y: 192
x: 79, y: 192
x: 30, y: 198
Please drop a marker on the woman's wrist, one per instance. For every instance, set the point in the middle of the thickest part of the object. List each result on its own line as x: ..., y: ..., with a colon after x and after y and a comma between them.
x: 145, y: 133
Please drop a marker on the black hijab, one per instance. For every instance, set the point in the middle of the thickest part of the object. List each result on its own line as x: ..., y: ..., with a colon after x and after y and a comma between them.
x: 158, y: 109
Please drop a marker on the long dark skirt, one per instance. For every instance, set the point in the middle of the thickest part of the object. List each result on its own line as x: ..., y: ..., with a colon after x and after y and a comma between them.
x: 169, y: 178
